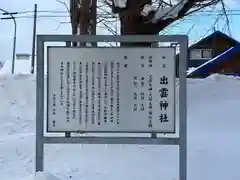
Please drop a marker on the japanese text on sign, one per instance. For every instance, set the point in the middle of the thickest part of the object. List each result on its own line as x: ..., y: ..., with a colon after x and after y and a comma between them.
x: 111, y: 90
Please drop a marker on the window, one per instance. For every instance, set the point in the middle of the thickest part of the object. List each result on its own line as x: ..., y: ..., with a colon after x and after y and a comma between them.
x: 206, y: 53
x: 198, y: 54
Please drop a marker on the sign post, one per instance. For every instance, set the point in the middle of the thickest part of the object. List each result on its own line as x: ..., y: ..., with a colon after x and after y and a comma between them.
x: 111, y: 90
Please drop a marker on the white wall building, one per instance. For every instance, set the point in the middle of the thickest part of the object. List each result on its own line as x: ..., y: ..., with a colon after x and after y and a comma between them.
x: 22, y: 65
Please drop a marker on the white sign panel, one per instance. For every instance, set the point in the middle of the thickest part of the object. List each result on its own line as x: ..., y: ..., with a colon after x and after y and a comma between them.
x: 111, y: 90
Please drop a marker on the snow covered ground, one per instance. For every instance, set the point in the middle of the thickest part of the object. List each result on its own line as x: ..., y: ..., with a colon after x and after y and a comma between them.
x: 213, y: 145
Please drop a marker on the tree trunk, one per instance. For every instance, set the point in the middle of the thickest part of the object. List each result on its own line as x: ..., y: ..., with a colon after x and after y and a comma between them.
x: 132, y: 23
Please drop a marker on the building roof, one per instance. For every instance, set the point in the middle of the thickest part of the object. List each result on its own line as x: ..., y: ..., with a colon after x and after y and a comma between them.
x: 23, y: 54
x: 211, y: 36
x: 214, y: 35
x: 203, y: 69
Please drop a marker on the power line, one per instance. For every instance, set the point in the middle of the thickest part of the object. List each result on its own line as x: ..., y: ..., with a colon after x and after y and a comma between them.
x: 107, y: 16
x: 104, y: 15
x: 40, y: 16
x: 66, y: 12
x: 40, y: 11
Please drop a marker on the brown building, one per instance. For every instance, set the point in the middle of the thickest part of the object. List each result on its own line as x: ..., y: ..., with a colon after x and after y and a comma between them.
x: 217, y: 53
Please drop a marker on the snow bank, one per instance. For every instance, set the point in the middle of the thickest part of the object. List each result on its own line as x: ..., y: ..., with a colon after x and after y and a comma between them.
x: 221, y: 77
x: 45, y: 176
x: 213, y: 148
x: 38, y: 176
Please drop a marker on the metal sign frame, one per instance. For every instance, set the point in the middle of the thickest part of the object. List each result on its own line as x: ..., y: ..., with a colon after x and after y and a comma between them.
x: 181, y: 141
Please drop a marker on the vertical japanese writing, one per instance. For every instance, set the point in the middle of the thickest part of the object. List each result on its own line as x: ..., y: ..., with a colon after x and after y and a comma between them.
x: 163, y: 105
x: 112, y: 91
x: 150, y: 63
x: 135, y: 83
x: 142, y: 94
x: 54, y: 104
x: 118, y: 93
x: 163, y: 118
x: 105, y: 92
x: 163, y: 80
x: 54, y: 123
x: 86, y: 93
x: 138, y: 97
x: 142, y: 81
x: 142, y: 108
x: 68, y: 93
x: 150, y: 109
x: 93, y: 93
x: 80, y: 93
x: 99, y: 93
x: 134, y: 107
x: 61, y: 83
x: 142, y: 64
x: 74, y: 98
x: 163, y: 93
x: 135, y: 96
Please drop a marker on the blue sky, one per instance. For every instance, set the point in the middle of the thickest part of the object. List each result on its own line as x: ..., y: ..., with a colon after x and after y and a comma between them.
x: 51, y: 25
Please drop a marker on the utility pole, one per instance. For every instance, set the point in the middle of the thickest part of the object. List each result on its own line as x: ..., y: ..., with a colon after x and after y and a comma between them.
x: 73, y: 9
x: 14, y: 35
x: 93, y: 21
x: 34, y: 38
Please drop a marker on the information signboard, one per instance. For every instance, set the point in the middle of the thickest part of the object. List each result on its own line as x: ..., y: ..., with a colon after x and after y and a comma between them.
x: 111, y: 90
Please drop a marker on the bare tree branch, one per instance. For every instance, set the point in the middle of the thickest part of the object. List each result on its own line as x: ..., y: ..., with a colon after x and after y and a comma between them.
x: 65, y: 4
x: 226, y: 16
x: 132, y: 22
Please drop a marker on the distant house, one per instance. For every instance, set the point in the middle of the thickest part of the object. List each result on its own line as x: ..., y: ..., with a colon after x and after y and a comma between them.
x: 218, y: 52
x: 227, y: 63
x: 22, y: 65
x: 23, y: 56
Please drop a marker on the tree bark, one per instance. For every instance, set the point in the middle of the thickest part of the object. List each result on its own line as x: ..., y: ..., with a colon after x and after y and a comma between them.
x: 132, y: 23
